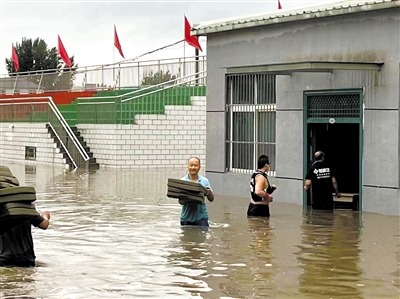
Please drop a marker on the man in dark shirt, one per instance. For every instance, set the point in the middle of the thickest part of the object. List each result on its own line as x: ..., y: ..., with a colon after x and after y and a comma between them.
x: 321, y: 179
x: 16, y: 245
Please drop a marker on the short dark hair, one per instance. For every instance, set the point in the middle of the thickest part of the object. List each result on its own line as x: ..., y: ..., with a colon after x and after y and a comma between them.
x: 194, y: 157
x: 319, y: 155
x: 262, y: 160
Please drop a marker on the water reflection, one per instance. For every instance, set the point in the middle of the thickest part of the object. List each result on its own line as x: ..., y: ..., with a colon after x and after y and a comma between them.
x: 115, y: 234
x: 192, y: 259
x: 17, y: 282
x: 329, y: 254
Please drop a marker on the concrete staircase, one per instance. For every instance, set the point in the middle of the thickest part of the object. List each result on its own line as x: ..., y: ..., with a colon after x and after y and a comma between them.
x: 93, y: 165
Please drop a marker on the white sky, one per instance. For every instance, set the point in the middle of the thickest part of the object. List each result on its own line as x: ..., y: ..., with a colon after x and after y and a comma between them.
x: 87, y: 27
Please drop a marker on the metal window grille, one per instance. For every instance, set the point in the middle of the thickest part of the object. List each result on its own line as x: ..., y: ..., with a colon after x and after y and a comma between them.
x: 30, y: 153
x: 251, y: 121
x: 333, y: 106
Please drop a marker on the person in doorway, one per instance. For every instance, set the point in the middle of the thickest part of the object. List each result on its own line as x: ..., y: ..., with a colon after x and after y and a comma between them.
x: 195, y: 213
x: 16, y: 245
x: 260, y: 189
x: 321, y: 178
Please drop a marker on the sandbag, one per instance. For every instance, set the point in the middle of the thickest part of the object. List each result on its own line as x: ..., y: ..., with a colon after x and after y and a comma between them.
x: 28, y: 198
x: 9, y: 179
x: 14, y: 205
x: 17, y: 190
x: 6, y: 185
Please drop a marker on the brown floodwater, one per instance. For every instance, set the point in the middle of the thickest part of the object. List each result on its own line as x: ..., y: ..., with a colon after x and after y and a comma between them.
x: 115, y: 234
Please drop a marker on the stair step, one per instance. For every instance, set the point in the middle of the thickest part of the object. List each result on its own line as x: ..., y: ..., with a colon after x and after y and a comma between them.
x: 92, y: 160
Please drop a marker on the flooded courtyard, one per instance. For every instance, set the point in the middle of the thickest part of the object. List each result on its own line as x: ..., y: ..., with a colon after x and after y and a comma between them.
x: 115, y: 234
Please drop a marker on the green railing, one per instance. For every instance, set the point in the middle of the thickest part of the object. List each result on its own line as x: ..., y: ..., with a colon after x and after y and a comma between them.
x: 43, y: 110
x: 122, y: 108
x: 117, y: 76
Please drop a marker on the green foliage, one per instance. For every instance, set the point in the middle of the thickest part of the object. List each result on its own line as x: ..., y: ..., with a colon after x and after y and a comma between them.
x: 42, y: 65
x: 151, y: 78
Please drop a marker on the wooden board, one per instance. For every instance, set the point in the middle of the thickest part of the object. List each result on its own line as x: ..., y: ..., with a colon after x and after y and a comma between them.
x: 187, y: 185
x: 345, y: 197
x: 186, y: 197
x: 185, y: 192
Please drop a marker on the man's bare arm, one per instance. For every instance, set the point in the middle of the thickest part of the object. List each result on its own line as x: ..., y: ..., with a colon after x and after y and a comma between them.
x: 45, y: 223
x: 307, y: 185
x: 335, y: 186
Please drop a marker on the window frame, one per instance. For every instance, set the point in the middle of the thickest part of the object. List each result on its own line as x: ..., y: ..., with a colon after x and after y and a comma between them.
x: 251, y: 105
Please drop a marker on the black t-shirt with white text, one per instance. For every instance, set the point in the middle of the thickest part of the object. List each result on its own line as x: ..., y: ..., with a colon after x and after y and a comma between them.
x: 321, y: 175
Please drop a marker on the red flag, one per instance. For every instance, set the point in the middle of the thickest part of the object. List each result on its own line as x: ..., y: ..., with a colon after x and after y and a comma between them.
x: 14, y: 58
x: 63, y: 53
x: 279, y: 4
x: 191, y: 40
x: 117, y: 43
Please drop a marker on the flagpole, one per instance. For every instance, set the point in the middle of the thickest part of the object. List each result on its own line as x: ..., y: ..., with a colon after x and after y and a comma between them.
x: 184, y: 50
x: 114, y: 57
x: 196, y: 64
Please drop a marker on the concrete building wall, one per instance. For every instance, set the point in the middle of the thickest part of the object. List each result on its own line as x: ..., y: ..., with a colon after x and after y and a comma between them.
x: 362, y: 37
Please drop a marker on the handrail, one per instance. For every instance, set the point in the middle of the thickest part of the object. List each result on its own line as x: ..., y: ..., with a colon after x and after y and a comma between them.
x: 168, y: 87
x: 88, y: 68
x: 62, y: 143
x: 60, y: 117
x: 146, y: 88
x: 71, y: 134
x: 163, y: 84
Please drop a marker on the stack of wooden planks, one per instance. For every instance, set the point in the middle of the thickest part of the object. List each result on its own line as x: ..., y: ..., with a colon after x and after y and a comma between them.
x: 189, y: 191
x: 16, y: 202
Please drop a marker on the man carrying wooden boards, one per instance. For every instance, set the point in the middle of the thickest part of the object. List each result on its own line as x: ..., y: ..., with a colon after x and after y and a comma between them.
x: 195, y: 213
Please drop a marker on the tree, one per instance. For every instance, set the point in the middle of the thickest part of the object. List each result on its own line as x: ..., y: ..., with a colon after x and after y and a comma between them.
x: 42, y: 65
x: 151, y: 78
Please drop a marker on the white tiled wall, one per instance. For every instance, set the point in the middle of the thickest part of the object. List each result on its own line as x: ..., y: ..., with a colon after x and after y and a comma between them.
x: 154, y: 141
x: 14, y: 137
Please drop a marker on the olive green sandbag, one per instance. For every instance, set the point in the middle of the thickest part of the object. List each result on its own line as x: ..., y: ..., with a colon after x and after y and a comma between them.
x: 17, y: 190
x: 28, y: 198
x: 15, y: 205
x: 9, y: 179
x: 4, y: 170
x: 6, y: 185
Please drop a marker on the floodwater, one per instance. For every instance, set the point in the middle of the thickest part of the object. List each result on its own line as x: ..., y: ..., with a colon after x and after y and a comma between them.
x: 115, y: 234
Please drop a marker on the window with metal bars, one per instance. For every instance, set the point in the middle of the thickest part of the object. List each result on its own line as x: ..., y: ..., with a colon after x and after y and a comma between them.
x: 251, y: 121
x: 30, y: 153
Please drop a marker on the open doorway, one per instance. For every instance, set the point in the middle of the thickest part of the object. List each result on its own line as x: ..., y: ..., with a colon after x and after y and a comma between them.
x: 341, y: 144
